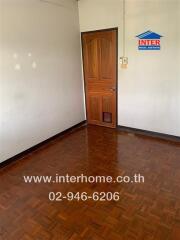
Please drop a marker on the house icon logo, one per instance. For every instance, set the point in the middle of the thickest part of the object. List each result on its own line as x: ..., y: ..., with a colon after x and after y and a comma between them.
x: 149, y: 41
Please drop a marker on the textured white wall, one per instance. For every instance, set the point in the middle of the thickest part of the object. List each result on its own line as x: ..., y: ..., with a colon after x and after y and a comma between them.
x: 149, y: 90
x: 37, y: 103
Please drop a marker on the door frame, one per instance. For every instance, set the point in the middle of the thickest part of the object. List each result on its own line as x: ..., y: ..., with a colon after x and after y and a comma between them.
x: 94, y: 31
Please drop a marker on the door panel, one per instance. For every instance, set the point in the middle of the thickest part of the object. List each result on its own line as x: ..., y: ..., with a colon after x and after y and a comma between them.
x: 94, y: 108
x: 91, y: 59
x: 100, y: 57
x: 107, y: 61
x: 107, y: 108
x: 107, y: 103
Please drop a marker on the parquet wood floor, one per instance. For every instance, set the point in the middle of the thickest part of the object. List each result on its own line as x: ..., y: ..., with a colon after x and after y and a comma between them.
x: 145, y: 211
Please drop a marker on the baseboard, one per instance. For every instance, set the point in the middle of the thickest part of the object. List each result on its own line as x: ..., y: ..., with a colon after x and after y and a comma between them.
x: 32, y: 149
x: 162, y: 136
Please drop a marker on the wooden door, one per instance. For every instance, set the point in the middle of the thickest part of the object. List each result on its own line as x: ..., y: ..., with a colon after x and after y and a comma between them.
x: 100, y: 73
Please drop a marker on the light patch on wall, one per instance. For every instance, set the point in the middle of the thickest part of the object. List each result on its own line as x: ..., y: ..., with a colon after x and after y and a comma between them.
x: 17, y: 67
x: 15, y: 56
x: 29, y: 54
x: 34, y: 65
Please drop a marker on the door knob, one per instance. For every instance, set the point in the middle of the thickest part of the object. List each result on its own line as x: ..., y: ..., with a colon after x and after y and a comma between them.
x: 113, y: 89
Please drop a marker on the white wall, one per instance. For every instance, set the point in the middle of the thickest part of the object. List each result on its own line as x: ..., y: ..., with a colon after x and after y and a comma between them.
x: 149, y: 90
x: 36, y: 104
